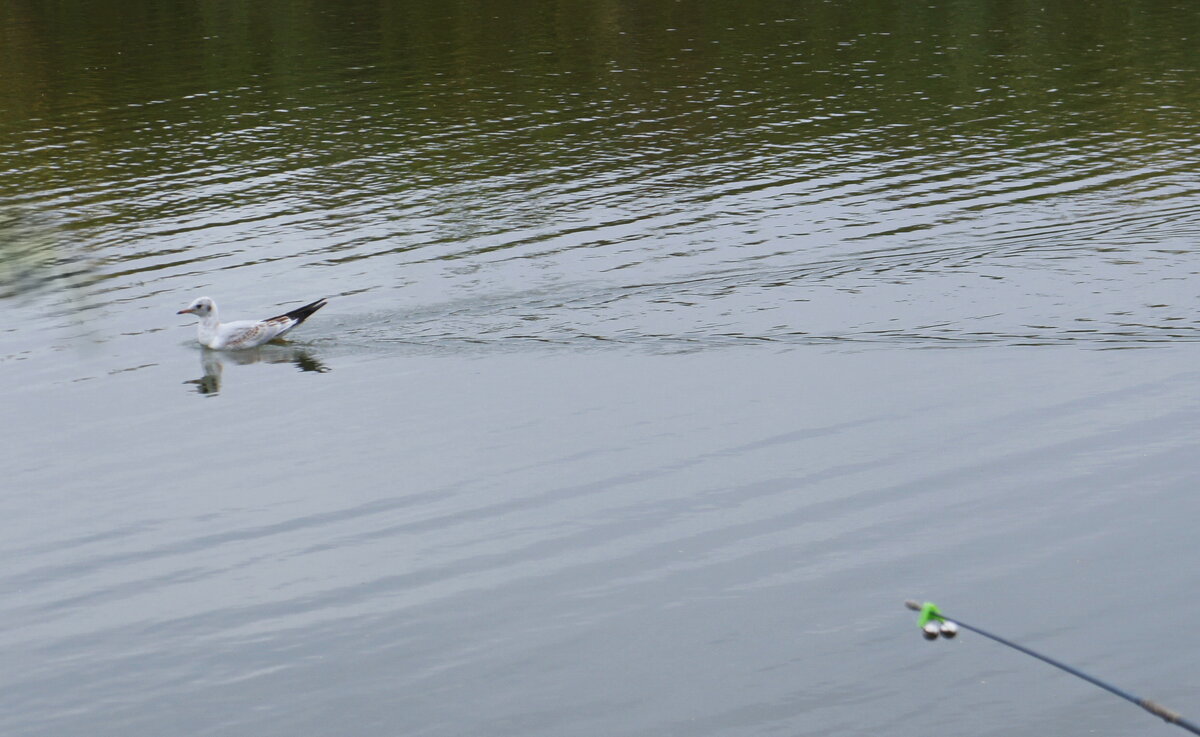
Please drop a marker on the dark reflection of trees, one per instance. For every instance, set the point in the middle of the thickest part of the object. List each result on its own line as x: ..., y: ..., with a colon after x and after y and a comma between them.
x: 116, y: 54
x: 123, y: 93
x: 213, y: 363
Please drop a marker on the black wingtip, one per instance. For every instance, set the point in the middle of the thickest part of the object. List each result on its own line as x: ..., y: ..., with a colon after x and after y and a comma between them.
x: 300, y: 314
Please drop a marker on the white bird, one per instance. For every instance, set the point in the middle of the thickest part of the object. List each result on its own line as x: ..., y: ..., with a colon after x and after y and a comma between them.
x: 243, y: 333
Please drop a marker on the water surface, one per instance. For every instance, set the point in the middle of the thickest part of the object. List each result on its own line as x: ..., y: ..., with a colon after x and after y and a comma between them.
x: 670, y: 347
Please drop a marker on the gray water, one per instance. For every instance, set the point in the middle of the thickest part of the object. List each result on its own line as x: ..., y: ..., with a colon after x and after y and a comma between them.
x: 670, y: 347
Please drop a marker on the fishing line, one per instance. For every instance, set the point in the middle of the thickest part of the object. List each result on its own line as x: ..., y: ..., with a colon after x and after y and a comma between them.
x: 934, y: 624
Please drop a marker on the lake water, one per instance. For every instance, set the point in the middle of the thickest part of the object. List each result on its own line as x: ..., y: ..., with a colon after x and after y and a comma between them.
x: 670, y: 347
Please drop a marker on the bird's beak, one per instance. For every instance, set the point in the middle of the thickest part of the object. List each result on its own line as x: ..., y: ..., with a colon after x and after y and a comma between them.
x: 185, y: 311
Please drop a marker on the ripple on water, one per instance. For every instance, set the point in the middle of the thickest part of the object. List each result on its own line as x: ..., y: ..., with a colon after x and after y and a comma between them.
x: 690, y: 217
x: 464, y: 501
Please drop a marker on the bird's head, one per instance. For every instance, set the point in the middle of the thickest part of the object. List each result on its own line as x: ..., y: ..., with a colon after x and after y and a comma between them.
x: 201, y: 307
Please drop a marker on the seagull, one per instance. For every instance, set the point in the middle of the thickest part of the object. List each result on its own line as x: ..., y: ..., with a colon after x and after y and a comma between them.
x: 243, y: 333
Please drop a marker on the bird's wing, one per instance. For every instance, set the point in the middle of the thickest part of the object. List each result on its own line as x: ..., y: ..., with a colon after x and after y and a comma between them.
x: 298, y: 315
x: 277, y: 326
x: 249, y: 333
x: 280, y: 324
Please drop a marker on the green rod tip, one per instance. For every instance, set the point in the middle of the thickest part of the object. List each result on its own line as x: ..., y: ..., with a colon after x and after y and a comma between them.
x: 929, y: 613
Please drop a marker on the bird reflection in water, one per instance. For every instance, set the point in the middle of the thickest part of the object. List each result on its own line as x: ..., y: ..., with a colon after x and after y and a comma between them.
x: 213, y: 363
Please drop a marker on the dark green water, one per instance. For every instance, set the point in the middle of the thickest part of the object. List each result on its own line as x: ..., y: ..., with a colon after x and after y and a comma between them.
x: 622, y: 418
